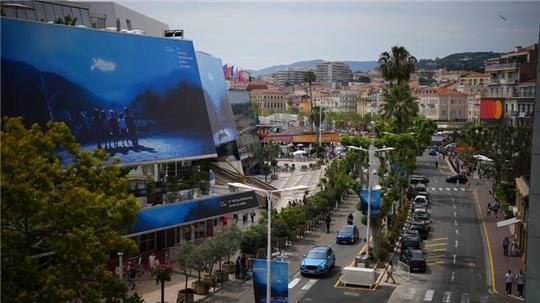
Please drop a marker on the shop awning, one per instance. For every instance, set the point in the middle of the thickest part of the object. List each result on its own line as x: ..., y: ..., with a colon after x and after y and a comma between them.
x: 170, y: 215
x: 510, y: 221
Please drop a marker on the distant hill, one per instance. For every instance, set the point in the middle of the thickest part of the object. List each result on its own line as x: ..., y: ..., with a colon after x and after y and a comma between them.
x: 473, y: 61
x: 354, y: 65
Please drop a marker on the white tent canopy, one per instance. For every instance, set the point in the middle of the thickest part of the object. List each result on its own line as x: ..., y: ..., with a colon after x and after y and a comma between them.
x: 482, y: 158
x: 299, y: 152
x: 510, y: 221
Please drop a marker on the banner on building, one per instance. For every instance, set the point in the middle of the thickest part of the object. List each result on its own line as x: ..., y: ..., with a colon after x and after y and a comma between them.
x: 375, y: 210
x: 491, y: 111
x: 137, y: 97
x: 280, y: 281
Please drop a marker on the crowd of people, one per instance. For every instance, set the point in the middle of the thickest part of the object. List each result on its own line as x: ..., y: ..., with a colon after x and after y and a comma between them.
x: 110, y: 130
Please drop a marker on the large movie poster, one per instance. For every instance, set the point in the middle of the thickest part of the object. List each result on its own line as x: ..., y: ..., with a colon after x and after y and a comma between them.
x: 137, y: 97
x: 280, y: 281
x: 218, y: 104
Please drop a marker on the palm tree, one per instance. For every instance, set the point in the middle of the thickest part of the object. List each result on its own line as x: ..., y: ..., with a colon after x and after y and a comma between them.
x: 314, y: 118
x: 399, y: 103
x: 309, y: 78
x: 397, y: 65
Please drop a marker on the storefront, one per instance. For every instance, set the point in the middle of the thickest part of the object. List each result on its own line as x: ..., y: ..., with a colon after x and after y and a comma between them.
x: 164, y: 226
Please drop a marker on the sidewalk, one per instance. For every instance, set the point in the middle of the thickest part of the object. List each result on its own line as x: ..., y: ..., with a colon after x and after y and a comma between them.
x: 500, y: 264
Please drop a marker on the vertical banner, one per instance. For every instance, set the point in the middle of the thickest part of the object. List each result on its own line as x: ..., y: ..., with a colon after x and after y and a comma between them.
x: 375, y: 202
x: 280, y: 281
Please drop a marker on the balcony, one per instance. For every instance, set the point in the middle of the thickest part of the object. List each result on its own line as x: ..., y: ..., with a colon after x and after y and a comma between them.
x: 500, y: 67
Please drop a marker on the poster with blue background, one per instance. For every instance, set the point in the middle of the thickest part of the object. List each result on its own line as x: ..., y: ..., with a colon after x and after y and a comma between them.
x: 375, y: 210
x: 140, y: 98
x: 280, y: 281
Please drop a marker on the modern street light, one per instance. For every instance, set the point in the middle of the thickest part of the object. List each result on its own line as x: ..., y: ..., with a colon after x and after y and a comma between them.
x: 371, y: 152
x: 267, y: 194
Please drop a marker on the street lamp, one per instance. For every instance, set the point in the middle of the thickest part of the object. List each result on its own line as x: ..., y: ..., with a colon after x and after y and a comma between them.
x: 371, y: 152
x: 121, y: 271
x: 267, y: 194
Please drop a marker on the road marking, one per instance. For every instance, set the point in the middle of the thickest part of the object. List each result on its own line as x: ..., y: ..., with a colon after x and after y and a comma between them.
x: 454, y: 206
x: 436, y: 239
x: 308, y: 285
x: 479, y: 213
x: 440, y: 188
x: 435, y: 250
x: 455, y: 215
x: 352, y: 294
x: 410, y: 294
x: 455, y: 222
x: 457, y: 244
x: 453, y: 277
x: 457, y: 232
x: 465, y: 298
x: 294, y: 282
x: 435, y: 244
x: 462, y: 189
x: 456, y: 189
x: 429, y: 295
x: 433, y: 189
x: 453, y: 200
x: 446, y: 297
x: 454, y: 259
x: 448, y: 188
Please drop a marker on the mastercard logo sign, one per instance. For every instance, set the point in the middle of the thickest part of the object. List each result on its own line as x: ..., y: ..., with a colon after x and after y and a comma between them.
x: 491, y: 109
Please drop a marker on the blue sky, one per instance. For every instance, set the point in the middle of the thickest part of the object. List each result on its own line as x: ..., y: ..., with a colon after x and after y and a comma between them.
x: 257, y: 34
x: 85, y: 57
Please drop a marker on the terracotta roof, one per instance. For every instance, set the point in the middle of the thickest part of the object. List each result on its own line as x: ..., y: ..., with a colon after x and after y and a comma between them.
x: 530, y: 81
x: 449, y: 92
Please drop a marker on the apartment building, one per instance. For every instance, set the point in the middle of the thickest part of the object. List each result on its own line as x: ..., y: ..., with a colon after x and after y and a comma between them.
x: 333, y: 72
x: 512, y: 80
x: 270, y: 100
x: 291, y: 76
x: 447, y: 107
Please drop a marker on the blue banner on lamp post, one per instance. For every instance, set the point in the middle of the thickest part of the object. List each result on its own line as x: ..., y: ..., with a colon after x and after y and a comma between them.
x: 280, y: 281
x: 375, y: 202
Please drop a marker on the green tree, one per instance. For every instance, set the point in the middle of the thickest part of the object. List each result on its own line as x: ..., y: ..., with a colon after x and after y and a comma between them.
x: 162, y: 275
x: 60, y: 222
x: 266, y: 170
x: 67, y: 20
x: 399, y: 103
x: 309, y: 78
x: 316, y: 117
x: 398, y: 65
x: 184, y: 255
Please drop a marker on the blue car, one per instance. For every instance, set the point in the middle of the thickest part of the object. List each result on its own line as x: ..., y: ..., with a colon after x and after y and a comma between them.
x: 318, y: 261
x: 432, y: 152
x: 347, y: 234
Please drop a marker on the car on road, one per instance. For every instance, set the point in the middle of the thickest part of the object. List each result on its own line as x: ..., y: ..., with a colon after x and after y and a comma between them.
x: 421, y: 190
x: 422, y: 229
x: 414, y: 258
x: 421, y: 214
x: 411, y: 240
x: 426, y: 223
x: 416, y: 179
x: 348, y: 234
x: 432, y: 152
x: 318, y: 261
x: 457, y: 178
x: 420, y: 206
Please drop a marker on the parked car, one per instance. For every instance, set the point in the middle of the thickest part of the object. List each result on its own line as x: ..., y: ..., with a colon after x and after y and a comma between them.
x: 426, y: 223
x: 412, y: 232
x: 421, y: 214
x: 420, y: 205
x: 414, y: 258
x: 347, y: 234
x: 422, y: 229
x: 421, y: 198
x: 411, y: 240
x: 457, y: 178
x: 318, y: 261
x: 415, y: 179
x: 432, y: 152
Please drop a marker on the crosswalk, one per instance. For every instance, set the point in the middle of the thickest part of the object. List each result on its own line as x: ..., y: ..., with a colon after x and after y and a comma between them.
x: 302, y: 283
x: 448, y: 189
x: 432, y: 295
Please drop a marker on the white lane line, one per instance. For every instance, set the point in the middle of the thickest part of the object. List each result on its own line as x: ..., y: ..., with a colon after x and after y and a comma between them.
x: 454, y: 206
x: 453, y: 277
x: 453, y: 200
x: 294, y: 282
x: 465, y: 298
x: 446, y: 297
x: 455, y: 189
x: 309, y: 284
x: 433, y: 189
x: 409, y: 295
x: 454, y: 260
x: 455, y: 215
x: 462, y: 189
x: 455, y: 222
x: 448, y: 188
x: 429, y: 295
x: 440, y: 188
x: 457, y: 232
x: 457, y: 244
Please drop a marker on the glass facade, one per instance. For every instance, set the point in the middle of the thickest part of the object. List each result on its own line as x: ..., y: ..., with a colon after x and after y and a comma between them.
x: 47, y: 12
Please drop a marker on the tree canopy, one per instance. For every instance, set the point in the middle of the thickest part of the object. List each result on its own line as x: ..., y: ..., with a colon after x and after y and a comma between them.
x: 60, y: 222
x: 398, y: 64
x: 399, y: 103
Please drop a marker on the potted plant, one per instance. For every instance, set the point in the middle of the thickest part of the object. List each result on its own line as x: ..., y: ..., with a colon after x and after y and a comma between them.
x: 162, y: 275
x: 204, y: 185
x: 214, y: 255
x: 231, y: 236
x: 200, y: 263
x: 184, y: 256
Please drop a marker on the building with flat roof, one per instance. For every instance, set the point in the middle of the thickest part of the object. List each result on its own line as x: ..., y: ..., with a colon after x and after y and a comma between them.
x: 291, y: 76
x: 333, y: 72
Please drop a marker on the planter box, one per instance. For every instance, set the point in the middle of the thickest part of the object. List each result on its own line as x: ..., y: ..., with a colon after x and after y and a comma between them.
x: 200, y: 288
x: 273, y: 177
x: 229, y: 268
x: 209, y: 279
x: 221, y: 275
x: 186, y: 296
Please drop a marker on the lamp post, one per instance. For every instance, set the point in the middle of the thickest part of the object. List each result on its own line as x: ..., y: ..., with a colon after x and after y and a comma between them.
x: 371, y: 152
x: 120, y: 265
x: 267, y: 194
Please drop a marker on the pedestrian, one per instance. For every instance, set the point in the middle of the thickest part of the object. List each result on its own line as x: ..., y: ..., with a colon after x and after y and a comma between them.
x: 131, y: 275
x: 495, y: 209
x: 252, y: 215
x: 436, y: 164
x: 238, y: 267
x: 140, y: 265
x: 513, y: 247
x: 505, y: 244
x: 489, y: 210
x: 151, y: 261
x: 390, y: 273
x: 468, y: 185
x: 520, y: 281
x: 350, y: 218
x: 235, y: 218
x: 244, y: 263
x: 244, y: 218
x: 508, y: 280
x: 328, y: 220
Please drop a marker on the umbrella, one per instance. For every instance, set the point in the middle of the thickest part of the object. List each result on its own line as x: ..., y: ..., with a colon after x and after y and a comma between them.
x: 482, y: 158
x: 300, y: 144
x: 299, y: 152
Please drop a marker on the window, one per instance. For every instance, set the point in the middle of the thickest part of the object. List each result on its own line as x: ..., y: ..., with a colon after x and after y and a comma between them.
x: 146, y: 242
x: 99, y: 22
x: 40, y: 11
x: 186, y: 232
x: 200, y: 230
x: 77, y: 14
x: 58, y: 13
x: 67, y: 11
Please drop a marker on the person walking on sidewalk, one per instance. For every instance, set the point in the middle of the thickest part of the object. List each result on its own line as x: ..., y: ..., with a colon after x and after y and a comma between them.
x: 520, y: 281
x: 244, y: 218
x: 513, y: 248
x: 508, y: 279
x: 505, y: 244
x: 252, y: 215
x: 489, y: 210
x: 238, y: 267
x: 328, y: 220
x: 390, y: 273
